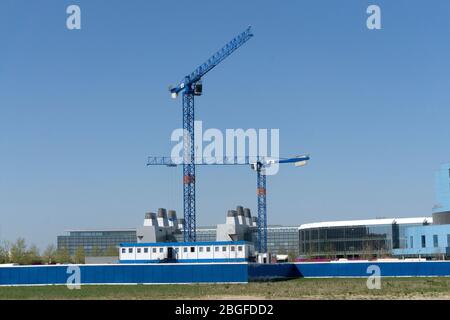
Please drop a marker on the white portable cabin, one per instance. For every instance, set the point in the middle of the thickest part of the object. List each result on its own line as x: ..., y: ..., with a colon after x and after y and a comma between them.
x: 217, y: 251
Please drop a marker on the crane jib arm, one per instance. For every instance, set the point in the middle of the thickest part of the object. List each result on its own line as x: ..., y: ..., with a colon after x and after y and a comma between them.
x: 215, y: 59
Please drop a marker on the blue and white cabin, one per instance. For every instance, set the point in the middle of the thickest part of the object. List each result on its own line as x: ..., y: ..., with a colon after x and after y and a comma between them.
x: 173, y: 252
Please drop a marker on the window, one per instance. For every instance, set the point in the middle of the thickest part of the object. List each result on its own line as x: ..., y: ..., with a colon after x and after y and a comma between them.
x: 232, y: 248
x: 411, y: 242
x: 200, y: 249
x: 239, y: 248
x: 124, y: 250
x: 216, y: 249
x: 130, y: 250
x: 424, y: 242
x: 154, y: 250
x: 192, y: 249
x: 184, y: 249
x: 435, y: 241
x: 161, y: 250
x: 208, y: 249
x: 145, y: 250
x: 224, y: 249
x: 138, y: 250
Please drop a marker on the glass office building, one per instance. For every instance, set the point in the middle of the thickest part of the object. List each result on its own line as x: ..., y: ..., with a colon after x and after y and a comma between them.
x: 355, y: 239
x: 102, y: 239
x: 340, y: 239
x: 280, y: 240
x: 441, y: 210
x: 431, y: 242
x: 283, y: 240
x: 203, y: 234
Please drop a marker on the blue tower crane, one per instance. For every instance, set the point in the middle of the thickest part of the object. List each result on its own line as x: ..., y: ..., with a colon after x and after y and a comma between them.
x: 191, y: 86
x: 259, y: 164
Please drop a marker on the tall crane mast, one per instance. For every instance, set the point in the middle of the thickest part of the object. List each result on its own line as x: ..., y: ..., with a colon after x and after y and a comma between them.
x: 259, y: 164
x: 191, y: 86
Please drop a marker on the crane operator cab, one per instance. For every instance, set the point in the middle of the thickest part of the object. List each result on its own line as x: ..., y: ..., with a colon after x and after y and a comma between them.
x: 256, y: 166
x: 198, y: 88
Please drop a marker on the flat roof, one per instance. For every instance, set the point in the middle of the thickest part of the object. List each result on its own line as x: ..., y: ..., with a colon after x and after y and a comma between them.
x: 181, y: 244
x: 101, y: 230
x: 368, y: 222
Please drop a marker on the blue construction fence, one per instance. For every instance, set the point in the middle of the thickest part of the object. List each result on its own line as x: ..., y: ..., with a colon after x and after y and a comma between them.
x: 365, y: 269
x: 124, y: 274
x: 210, y: 272
x: 263, y: 272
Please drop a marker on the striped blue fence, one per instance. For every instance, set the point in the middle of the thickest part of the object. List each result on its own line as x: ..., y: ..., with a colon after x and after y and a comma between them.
x: 266, y: 272
x: 387, y: 269
x: 126, y: 274
x: 211, y: 272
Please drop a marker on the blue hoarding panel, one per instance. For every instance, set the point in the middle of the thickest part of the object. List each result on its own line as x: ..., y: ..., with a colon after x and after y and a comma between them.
x: 120, y: 273
x: 266, y: 272
x: 212, y: 272
x: 387, y: 269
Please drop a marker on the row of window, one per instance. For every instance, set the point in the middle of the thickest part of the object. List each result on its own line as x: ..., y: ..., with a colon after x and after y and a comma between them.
x: 185, y: 249
x: 319, y: 247
x: 424, y: 241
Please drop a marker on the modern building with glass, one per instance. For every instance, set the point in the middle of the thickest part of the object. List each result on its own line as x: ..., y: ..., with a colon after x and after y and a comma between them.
x: 441, y: 210
x: 402, y: 237
x: 356, y: 238
x: 283, y: 240
x: 280, y: 239
x: 92, y: 240
x: 432, y: 241
x: 204, y: 234
x: 405, y: 237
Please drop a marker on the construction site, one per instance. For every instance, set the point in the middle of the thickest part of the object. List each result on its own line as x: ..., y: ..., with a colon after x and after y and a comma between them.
x: 90, y: 152
x: 239, y: 252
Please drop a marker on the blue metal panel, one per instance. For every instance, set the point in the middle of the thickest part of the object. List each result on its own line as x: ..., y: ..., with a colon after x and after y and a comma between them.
x: 183, y: 273
x: 214, y: 272
x: 110, y: 275
x: 31, y: 275
x: 147, y: 273
x: 87, y: 276
x: 134, y: 274
x: 180, y: 275
x: 388, y: 269
x: 121, y: 274
x: 14, y: 273
x: 5, y: 276
x: 240, y: 273
x: 50, y: 273
x: 263, y: 272
x: 198, y: 273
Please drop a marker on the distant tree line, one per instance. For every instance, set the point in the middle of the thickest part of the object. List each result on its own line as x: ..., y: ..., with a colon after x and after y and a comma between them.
x: 20, y: 253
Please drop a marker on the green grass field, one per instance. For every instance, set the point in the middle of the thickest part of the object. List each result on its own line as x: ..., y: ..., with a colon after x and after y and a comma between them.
x: 391, y: 288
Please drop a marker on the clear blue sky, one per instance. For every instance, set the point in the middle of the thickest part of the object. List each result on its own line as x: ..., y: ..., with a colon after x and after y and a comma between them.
x: 81, y: 110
